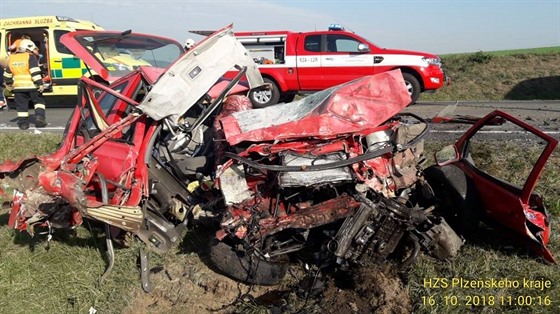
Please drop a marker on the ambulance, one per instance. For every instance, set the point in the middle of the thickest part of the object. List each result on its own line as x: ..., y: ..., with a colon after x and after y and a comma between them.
x: 304, y: 62
x: 61, y: 69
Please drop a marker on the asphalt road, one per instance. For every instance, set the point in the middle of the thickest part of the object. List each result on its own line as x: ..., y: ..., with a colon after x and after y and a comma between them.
x: 543, y: 114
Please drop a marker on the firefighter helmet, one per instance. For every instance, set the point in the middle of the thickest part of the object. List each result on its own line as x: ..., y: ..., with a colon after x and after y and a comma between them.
x: 26, y: 45
x: 189, y: 43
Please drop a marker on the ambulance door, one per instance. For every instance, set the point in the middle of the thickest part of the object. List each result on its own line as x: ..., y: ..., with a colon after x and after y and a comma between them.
x: 65, y: 68
x: 345, y: 58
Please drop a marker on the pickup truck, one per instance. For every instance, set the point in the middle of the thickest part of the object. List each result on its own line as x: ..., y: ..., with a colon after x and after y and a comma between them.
x: 302, y: 62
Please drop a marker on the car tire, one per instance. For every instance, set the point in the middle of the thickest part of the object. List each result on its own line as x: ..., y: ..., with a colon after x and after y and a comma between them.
x: 413, y: 86
x: 249, y: 269
x: 265, y: 98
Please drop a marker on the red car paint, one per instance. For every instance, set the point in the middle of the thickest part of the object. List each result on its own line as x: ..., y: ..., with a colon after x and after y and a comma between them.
x: 506, y: 204
x: 342, y: 167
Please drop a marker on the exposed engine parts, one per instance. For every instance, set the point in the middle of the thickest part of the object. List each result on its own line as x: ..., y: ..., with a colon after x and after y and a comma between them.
x: 334, y: 178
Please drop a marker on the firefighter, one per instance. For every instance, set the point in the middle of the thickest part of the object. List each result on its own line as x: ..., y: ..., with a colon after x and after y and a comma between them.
x: 23, y: 77
x: 188, y: 44
x: 3, y: 101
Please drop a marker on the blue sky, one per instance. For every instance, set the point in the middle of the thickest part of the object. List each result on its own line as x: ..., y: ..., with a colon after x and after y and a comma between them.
x: 436, y: 26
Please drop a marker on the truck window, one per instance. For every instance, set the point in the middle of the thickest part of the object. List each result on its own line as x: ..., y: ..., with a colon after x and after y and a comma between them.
x: 341, y: 43
x: 313, y: 43
x: 60, y: 47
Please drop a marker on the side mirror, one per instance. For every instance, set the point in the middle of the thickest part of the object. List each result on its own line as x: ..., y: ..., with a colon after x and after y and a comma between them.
x: 363, y: 47
x: 447, y: 155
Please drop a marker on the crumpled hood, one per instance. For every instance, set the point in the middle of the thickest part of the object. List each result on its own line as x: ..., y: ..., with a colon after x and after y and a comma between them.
x: 351, y: 107
x: 193, y: 75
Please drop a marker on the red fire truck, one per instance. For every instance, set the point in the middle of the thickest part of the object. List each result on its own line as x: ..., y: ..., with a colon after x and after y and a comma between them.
x: 294, y: 62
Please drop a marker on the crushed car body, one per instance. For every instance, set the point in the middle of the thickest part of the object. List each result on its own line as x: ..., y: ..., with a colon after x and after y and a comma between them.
x: 338, y: 174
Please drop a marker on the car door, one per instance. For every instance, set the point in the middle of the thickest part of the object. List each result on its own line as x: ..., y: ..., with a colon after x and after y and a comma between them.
x: 342, y: 61
x: 308, y: 61
x: 506, y: 197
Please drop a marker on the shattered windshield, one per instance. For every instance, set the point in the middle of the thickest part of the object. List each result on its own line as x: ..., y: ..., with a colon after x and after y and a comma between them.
x: 120, y: 54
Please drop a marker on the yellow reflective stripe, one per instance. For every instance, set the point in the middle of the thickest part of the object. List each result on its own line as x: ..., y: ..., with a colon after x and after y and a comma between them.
x: 39, y: 106
x: 37, y: 78
x: 8, y: 75
x: 23, y: 114
x: 35, y: 70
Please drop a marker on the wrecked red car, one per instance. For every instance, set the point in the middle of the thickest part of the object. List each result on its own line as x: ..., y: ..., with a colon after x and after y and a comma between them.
x: 337, y: 175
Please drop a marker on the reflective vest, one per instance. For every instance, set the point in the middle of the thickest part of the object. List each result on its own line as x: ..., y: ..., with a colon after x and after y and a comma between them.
x: 25, y: 71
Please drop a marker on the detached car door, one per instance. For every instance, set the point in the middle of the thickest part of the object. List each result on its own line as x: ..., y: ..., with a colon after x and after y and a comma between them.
x: 495, y: 181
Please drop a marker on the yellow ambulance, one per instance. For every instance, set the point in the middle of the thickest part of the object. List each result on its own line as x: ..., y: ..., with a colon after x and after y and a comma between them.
x: 61, y: 69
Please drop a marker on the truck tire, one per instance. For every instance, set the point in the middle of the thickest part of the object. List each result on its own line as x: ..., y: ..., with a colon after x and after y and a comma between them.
x: 412, y: 85
x: 265, y: 98
x: 287, y: 97
x: 247, y: 269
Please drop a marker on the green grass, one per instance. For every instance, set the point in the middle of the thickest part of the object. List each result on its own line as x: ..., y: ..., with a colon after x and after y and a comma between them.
x: 63, y: 279
x: 540, y: 50
x: 501, y: 75
x: 21, y: 145
x: 488, y: 255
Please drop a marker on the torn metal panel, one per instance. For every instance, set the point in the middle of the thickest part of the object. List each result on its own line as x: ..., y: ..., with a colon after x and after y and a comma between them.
x: 195, y: 73
x: 233, y: 185
x: 313, y: 216
x: 348, y: 108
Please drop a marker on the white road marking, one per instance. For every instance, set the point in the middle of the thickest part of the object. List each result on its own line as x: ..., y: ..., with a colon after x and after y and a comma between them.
x: 491, y: 132
x: 56, y: 128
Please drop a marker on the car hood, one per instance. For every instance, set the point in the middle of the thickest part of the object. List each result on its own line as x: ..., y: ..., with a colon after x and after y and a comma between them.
x: 194, y: 74
x: 409, y: 52
x: 356, y: 106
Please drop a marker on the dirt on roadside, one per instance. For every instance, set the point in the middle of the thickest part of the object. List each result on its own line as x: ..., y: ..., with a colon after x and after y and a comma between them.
x: 187, y: 285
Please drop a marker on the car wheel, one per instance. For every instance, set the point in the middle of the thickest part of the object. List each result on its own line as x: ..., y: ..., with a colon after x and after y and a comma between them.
x: 413, y: 86
x: 265, y: 98
x: 246, y: 268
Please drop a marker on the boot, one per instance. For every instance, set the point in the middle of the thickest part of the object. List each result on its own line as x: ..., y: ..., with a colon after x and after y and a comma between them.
x: 40, y: 122
x: 23, y: 124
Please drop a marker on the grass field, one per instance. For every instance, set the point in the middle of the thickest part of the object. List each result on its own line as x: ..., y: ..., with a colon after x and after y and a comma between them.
x: 62, y: 277
x: 524, y: 74
x: 540, y: 50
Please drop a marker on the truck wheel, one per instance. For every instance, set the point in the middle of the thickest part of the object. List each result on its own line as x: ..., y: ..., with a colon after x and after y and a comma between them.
x: 265, y: 98
x: 246, y: 268
x: 412, y: 85
x: 287, y: 97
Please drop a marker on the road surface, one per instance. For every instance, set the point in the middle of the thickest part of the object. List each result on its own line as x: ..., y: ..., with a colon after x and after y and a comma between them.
x: 543, y: 114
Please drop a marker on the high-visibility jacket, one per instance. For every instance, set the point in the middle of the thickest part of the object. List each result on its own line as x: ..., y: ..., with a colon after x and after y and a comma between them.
x: 23, y: 72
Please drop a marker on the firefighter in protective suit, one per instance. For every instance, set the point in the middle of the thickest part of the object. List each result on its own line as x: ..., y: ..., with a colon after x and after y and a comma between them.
x: 23, y: 76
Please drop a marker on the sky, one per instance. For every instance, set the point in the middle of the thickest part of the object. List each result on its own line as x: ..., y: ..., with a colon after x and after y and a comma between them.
x: 437, y: 26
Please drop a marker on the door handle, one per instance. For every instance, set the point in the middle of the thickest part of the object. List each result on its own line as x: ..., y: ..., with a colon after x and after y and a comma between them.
x: 377, y: 59
x: 57, y: 60
x: 329, y: 59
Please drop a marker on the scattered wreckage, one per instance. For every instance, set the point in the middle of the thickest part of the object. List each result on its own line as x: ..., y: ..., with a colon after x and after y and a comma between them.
x: 338, y: 175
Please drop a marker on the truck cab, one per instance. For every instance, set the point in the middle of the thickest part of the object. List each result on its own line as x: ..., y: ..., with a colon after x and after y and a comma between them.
x: 301, y: 62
